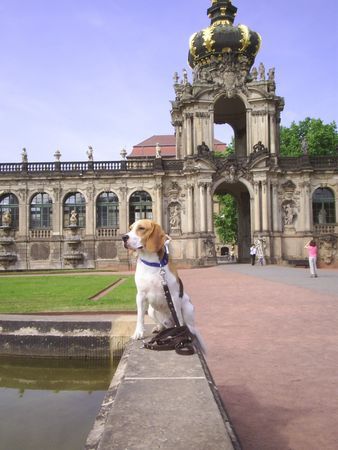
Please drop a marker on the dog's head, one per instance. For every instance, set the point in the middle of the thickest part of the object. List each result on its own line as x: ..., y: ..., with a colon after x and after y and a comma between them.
x: 145, y: 234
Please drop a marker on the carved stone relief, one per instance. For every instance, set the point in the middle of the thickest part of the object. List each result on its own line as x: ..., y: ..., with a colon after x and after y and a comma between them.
x: 175, y: 218
x: 327, y: 249
x: 289, y: 213
x: 209, y: 248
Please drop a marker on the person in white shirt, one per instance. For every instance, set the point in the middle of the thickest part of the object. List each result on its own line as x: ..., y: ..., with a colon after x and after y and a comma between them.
x: 253, y: 251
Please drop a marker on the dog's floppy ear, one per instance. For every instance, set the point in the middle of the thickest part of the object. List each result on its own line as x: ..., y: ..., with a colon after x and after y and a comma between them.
x: 154, y: 241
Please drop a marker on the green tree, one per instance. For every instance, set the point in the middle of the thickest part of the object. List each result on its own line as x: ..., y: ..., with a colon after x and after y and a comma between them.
x: 230, y: 149
x: 322, y: 139
x: 226, y: 222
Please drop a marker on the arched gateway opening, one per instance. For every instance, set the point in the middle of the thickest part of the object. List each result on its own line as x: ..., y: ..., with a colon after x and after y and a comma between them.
x: 231, y: 112
x: 240, y: 193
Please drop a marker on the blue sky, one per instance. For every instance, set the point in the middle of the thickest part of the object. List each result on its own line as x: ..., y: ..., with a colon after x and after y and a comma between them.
x: 82, y: 72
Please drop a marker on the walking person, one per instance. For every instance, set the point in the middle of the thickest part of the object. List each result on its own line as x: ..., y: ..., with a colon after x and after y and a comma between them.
x: 253, y: 251
x: 312, y: 252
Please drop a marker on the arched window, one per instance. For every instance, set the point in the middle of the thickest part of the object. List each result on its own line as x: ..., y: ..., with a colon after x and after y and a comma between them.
x: 74, y: 202
x: 107, y: 210
x: 9, y: 204
x: 323, y: 206
x: 41, y: 209
x: 140, y: 206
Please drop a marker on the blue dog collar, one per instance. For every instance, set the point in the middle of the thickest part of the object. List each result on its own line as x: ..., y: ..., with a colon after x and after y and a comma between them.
x: 164, y: 261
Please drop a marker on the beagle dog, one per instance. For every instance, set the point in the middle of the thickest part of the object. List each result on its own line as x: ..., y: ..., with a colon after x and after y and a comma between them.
x: 149, y: 240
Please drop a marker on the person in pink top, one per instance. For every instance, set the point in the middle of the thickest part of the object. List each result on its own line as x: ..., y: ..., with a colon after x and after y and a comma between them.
x: 312, y: 251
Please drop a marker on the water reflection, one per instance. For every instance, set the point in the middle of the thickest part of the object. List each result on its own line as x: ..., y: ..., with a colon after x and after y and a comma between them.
x: 50, y: 403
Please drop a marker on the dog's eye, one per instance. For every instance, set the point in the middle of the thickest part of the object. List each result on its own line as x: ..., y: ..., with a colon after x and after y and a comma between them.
x: 141, y: 228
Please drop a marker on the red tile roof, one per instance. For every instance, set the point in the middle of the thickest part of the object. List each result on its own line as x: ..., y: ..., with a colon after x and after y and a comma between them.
x: 167, y: 142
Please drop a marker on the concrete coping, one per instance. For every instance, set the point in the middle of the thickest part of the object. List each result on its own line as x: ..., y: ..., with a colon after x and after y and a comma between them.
x: 162, y: 400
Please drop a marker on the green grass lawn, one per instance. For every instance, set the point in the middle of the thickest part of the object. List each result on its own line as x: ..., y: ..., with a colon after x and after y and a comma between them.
x: 33, y: 294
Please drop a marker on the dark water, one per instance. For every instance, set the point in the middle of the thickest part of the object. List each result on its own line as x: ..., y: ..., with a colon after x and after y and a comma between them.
x: 50, y: 404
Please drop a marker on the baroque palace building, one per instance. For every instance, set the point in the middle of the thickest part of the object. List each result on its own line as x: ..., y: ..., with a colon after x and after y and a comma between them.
x: 72, y: 214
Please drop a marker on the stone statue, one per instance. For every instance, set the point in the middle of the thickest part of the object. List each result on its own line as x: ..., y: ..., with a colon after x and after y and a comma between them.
x: 254, y: 74
x: 328, y: 249
x: 271, y: 74
x: 288, y: 214
x: 261, y: 71
x: 6, y: 218
x: 158, y: 151
x: 90, y: 153
x: 322, y: 216
x: 73, y: 217
x: 24, y: 156
x: 258, y: 147
x: 259, y: 251
x: 232, y: 173
x: 185, y: 76
x: 57, y: 155
x: 175, y: 218
x: 203, y: 149
x: 176, y: 78
x: 209, y: 247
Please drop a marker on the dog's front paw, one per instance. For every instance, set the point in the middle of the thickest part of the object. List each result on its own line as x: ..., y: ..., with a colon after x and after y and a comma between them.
x: 139, y: 334
x: 157, y: 329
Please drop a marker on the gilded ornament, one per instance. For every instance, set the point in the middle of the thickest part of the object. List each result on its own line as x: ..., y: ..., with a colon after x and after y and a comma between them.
x: 221, y: 22
x: 193, y: 49
x: 245, y: 41
x: 207, y: 37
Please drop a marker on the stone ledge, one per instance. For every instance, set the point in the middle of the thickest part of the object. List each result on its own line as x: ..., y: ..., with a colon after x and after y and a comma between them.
x: 162, y: 400
x: 56, y: 338
x: 66, y: 337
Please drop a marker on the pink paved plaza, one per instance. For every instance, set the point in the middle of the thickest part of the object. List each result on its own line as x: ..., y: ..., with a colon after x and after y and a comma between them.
x: 272, y: 339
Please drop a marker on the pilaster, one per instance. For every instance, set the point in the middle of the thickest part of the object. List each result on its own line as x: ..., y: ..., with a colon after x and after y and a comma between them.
x: 201, y: 187
x: 265, y: 216
x: 257, y: 224
x: 190, y: 209
x: 123, y: 209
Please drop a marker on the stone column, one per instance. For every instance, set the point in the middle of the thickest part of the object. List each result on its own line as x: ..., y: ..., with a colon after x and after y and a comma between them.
x: 90, y: 212
x: 189, y: 134
x: 197, y: 131
x: 257, y: 224
x: 159, y: 208
x: 266, y: 129
x: 210, y: 142
x: 249, y: 143
x: 272, y: 145
x: 190, y: 208
x: 201, y: 186
x: 123, y: 209
x: 57, y: 211
x: 276, y: 225
x: 307, y: 206
x: 209, y: 200
x: 254, y: 131
x: 265, y: 212
x: 23, y: 213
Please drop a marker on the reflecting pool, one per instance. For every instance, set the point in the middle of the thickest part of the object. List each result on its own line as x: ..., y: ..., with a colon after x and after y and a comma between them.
x: 50, y: 404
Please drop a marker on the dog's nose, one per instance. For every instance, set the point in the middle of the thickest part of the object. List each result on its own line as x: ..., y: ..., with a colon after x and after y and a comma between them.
x: 125, y: 237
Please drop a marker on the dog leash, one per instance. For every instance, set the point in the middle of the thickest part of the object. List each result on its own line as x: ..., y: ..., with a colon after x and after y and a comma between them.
x: 178, y: 338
